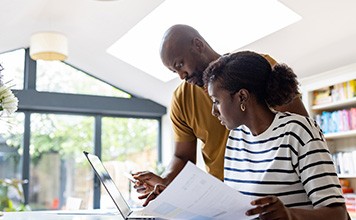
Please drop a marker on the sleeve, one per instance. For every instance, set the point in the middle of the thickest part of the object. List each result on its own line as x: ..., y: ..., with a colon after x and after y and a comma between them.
x: 182, y: 131
x: 271, y: 61
x: 317, y: 170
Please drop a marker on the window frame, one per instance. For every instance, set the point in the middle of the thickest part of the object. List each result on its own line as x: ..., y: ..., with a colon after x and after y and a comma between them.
x: 32, y: 101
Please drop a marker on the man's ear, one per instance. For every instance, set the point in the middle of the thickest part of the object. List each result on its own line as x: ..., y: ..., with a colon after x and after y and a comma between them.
x: 198, y: 44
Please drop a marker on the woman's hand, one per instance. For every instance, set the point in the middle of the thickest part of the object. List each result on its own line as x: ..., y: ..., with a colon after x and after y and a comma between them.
x: 152, y: 195
x: 270, y: 208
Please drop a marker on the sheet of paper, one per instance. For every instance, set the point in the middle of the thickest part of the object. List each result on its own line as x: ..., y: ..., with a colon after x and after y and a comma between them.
x: 195, y: 194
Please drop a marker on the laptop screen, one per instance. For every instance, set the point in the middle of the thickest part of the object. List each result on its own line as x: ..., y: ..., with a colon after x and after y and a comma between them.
x: 109, y: 184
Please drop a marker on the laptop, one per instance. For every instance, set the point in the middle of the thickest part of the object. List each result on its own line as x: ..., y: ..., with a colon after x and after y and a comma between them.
x: 113, y: 191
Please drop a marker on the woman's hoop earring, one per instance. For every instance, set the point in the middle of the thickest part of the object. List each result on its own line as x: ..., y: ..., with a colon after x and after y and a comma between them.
x: 243, y: 108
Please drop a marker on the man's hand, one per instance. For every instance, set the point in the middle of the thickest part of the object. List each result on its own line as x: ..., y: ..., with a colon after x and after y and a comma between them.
x: 153, y: 194
x: 270, y: 208
x: 146, y: 181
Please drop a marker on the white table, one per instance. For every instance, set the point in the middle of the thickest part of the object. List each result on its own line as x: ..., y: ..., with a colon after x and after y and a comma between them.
x: 63, y: 215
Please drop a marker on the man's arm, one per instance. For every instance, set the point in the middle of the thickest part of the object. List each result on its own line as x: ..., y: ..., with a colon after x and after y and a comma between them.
x: 295, y: 106
x: 183, y: 152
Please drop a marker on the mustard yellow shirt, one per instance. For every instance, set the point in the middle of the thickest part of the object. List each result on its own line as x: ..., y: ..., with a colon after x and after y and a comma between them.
x: 192, y: 119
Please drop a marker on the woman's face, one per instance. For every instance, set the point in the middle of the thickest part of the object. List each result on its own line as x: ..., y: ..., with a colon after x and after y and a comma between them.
x: 226, y: 106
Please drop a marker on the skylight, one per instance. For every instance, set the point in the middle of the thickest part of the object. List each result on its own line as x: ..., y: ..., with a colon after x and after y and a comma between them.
x: 226, y: 25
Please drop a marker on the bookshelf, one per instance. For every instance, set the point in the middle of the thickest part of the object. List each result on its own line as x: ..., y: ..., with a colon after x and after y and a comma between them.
x: 340, y: 135
x: 335, y: 105
x: 330, y: 98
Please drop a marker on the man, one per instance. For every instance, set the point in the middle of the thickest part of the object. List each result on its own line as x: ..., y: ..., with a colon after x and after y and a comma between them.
x: 184, y: 51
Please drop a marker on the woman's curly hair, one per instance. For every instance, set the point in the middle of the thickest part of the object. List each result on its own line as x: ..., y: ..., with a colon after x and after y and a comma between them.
x: 248, y: 70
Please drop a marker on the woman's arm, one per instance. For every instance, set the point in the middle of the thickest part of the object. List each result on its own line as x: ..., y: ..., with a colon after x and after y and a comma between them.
x: 271, y: 207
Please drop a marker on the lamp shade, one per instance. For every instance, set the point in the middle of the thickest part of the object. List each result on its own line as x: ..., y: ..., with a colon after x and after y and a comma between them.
x: 48, y: 46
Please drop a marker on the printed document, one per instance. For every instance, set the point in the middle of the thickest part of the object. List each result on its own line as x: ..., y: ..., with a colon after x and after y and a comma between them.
x: 195, y: 194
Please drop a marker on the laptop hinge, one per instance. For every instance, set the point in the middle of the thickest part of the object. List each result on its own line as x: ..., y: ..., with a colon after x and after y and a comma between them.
x: 127, y: 217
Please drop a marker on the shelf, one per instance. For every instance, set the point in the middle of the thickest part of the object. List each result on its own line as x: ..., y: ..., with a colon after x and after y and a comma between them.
x: 344, y: 141
x: 352, y: 215
x: 339, y: 135
x: 347, y: 176
x: 335, y: 105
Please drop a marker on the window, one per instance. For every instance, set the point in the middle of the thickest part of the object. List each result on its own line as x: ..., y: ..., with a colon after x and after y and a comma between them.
x: 46, y: 146
x: 56, y: 76
x: 59, y: 170
x: 13, y: 63
x: 128, y: 145
x: 11, y: 147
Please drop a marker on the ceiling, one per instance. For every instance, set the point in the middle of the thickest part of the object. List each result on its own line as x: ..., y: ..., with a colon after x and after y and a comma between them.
x: 324, y: 39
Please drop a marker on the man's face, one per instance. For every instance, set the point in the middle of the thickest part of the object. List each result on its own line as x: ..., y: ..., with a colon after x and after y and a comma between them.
x: 224, y: 106
x: 187, y: 63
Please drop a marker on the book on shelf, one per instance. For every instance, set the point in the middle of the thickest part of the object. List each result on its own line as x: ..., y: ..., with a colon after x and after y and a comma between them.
x: 345, y: 162
x: 350, y: 202
x: 322, y: 96
x: 338, y: 92
x: 349, y: 163
x: 337, y: 121
x: 352, y: 88
x: 353, y: 118
x: 345, y: 120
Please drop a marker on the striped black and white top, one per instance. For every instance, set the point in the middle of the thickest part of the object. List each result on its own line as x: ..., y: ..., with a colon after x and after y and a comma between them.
x: 290, y: 160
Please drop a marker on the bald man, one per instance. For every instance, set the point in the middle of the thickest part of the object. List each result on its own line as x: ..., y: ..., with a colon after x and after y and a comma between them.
x: 185, y: 52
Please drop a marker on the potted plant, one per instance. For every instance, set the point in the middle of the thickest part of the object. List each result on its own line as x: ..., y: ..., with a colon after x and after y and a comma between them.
x: 11, y: 195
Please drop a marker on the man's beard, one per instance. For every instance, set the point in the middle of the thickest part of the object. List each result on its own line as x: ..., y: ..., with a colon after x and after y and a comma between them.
x: 196, y: 78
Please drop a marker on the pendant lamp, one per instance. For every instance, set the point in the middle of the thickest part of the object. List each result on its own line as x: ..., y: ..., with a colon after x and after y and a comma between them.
x: 48, y: 46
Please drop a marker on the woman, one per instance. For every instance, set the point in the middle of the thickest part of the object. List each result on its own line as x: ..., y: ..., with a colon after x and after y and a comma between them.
x: 280, y: 157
